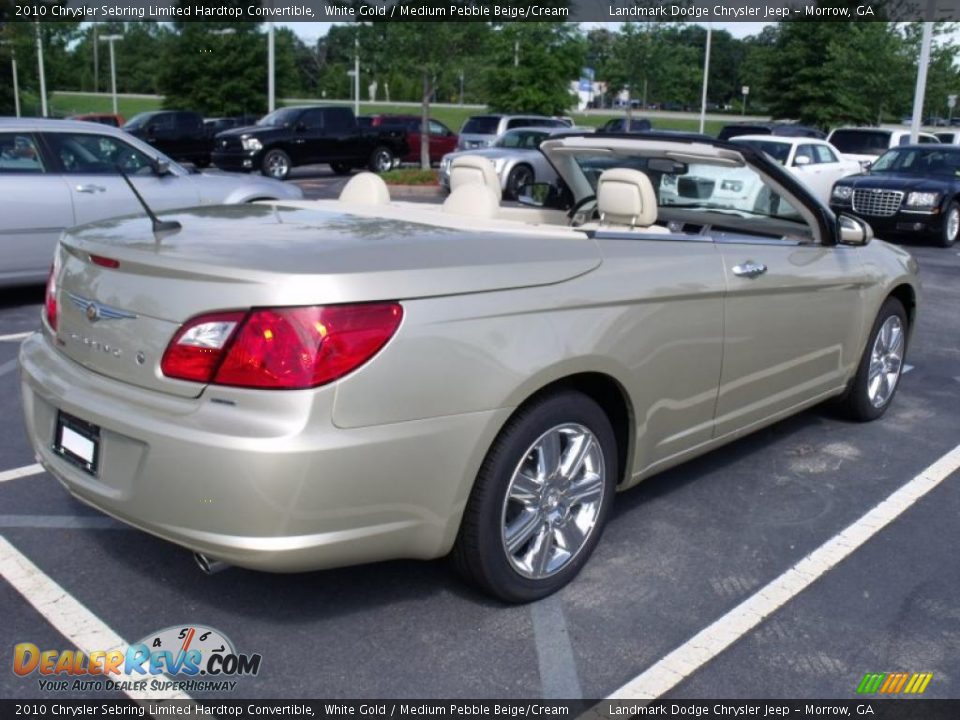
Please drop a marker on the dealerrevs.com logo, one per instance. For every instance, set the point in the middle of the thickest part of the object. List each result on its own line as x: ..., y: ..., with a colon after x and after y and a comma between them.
x: 186, y: 658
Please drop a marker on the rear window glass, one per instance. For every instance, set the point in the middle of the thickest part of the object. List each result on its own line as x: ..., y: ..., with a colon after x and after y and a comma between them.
x: 861, y: 142
x: 481, y: 125
x: 777, y: 150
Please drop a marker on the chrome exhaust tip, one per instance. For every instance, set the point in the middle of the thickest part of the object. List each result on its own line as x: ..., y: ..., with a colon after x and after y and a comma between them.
x: 208, y: 566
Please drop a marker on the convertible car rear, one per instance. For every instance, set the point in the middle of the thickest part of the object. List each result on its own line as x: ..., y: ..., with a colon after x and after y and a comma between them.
x: 301, y: 386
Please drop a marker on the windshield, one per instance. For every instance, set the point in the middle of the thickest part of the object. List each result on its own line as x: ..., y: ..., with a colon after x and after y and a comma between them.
x: 523, y: 139
x: 777, y: 150
x: 919, y: 161
x: 137, y: 120
x: 861, y: 142
x: 705, y: 186
x: 279, y: 118
x: 481, y: 125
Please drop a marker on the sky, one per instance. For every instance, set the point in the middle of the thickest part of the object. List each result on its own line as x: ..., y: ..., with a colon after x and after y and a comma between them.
x: 309, y: 32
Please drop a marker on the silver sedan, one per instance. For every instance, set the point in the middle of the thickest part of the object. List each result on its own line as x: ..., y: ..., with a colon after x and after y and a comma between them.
x: 55, y: 174
x: 516, y: 156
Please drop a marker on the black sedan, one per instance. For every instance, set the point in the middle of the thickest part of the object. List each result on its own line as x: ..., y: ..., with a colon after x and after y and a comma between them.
x: 912, y: 190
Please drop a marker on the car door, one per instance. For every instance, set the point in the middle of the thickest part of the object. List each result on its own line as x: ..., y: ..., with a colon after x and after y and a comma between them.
x: 671, y: 329
x: 89, y: 163
x: 806, y: 166
x: 339, y: 134
x: 309, y: 142
x: 442, y: 141
x: 792, y: 317
x: 36, y: 207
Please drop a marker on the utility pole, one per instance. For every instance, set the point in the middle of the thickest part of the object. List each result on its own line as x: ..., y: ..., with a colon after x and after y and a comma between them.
x: 96, y: 60
x: 706, y: 78
x: 16, y: 84
x: 356, y: 76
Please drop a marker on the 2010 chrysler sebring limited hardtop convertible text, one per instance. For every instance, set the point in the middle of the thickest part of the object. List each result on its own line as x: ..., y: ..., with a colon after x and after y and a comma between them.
x: 306, y: 385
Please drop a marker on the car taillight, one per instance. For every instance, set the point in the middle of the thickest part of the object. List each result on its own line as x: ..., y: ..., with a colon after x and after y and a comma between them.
x: 50, y: 298
x: 280, y: 348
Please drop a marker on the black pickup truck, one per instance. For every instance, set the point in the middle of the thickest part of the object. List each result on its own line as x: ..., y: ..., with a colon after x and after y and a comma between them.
x: 180, y: 134
x: 308, y: 135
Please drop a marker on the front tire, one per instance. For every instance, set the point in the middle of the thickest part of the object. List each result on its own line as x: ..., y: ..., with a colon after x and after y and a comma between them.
x: 381, y: 159
x: 276, y: 164
x: 541, y: 499
x: 878, y: 375
x: 951, y: 225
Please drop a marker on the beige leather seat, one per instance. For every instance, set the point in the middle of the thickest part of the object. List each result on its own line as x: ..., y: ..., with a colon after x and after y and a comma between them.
x: 365, y: 188
x: 474, y: 169
x: 626, y: 198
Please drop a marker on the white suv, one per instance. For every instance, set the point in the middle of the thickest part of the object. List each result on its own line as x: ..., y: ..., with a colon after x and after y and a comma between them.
x: 866, y: 144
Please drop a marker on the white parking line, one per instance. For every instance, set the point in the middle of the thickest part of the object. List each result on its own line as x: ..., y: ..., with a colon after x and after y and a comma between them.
x: 25, y: 471
x: 16, y: 336
x: 69, y: 617
x: 713, y: 640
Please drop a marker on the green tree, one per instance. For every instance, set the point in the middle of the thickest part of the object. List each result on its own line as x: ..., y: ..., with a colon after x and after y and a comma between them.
x: 216, y: 68
x: 531, y: 66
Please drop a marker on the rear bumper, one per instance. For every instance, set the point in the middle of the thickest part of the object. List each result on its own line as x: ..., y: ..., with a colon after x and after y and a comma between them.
x: 267, y: 483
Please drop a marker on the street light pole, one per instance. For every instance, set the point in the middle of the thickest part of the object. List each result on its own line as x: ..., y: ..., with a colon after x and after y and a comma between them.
x: 356, y: 76
x: 706, y: 78
x: 43, y: 79
x: 113, y: 69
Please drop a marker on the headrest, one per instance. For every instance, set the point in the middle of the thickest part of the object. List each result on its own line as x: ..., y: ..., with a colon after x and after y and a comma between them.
x: 365, y: 188
x: 626, y: 197
x: 475, y: 169
x: 472, y: 200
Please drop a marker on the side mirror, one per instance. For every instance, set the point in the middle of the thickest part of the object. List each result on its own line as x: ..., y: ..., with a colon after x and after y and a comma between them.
x: 539, y: 194
x: 853, y: 231
x: 161, y: 167
x: 801, y: 160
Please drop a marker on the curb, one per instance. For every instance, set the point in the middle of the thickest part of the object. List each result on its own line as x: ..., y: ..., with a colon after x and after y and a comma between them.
x: 415, y: 191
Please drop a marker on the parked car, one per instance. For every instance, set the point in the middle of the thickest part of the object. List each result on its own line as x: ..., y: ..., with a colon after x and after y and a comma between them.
x: 481, y: 130
x: 442, y: 138
x: 912, y: 190
x: 619, y: 125
x: 728, y: 132
x: 516, y: 157
x: 338, y: 382
x: 309, y: 135
x: 102, y: 118
x: 179, y: 134
x: 55, y: 174
x: 816, y: 163
x: 866, y: 144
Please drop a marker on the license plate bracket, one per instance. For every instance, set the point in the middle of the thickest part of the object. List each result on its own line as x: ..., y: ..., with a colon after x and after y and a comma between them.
x: 77, y: 441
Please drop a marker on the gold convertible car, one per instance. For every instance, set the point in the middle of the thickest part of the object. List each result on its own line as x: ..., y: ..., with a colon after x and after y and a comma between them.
x: 297, y: 386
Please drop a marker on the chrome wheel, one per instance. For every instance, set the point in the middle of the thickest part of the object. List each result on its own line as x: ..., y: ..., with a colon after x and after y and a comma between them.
x: 278, y: 166
x: 953, y: 223
x: 886, y: 361
x: 553, y: 501
x: 382, y: 160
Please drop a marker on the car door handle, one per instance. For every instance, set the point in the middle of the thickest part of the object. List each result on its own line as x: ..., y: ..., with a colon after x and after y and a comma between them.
x: 749, y: 269
x: 91, y: 188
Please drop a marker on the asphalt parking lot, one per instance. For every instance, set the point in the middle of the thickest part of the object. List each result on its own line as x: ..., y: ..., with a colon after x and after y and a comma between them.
x: 682, y: 551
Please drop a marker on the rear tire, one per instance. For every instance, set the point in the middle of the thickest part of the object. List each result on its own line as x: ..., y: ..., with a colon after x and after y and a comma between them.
x: 873, y: 387
x: 951, y: 225
x: 541, y: 499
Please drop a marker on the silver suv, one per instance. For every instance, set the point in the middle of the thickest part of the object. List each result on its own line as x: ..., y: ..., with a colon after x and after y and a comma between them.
x: 481, y: 130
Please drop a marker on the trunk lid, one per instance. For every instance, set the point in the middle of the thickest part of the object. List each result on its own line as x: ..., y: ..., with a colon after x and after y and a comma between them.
x: 118, y: 321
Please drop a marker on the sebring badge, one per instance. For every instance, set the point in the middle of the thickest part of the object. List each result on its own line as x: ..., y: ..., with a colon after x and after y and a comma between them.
x: 95, y: 311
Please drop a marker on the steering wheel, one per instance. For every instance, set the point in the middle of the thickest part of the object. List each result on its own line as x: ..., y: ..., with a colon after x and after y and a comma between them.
x: 577, y: 215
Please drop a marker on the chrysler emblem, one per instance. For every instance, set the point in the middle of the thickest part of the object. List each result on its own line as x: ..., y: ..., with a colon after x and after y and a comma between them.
x: 95, y: 311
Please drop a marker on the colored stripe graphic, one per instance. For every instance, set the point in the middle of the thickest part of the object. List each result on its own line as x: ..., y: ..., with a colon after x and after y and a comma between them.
x: 894, y: 683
